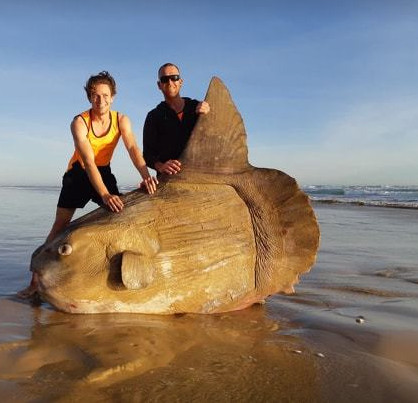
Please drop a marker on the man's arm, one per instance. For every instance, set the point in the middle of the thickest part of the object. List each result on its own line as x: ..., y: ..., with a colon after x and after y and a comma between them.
x: 173, y: 166
x: 151, y: 149
x: 135, y: 154
x: 83, y: 146
x: 150, y: 141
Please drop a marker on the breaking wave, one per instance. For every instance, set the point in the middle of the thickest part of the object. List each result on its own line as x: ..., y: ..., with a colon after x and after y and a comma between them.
x: 378, y: 195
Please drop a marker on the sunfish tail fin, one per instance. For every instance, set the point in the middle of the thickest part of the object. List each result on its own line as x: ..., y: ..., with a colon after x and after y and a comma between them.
x: 286, y: 231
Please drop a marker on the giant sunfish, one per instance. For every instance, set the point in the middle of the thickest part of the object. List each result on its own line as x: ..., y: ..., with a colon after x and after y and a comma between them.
x: 219, y: 236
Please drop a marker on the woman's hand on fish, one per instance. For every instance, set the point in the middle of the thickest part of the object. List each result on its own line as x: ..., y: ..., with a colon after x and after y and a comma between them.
x: 113, y: 202
x: 150, y: 183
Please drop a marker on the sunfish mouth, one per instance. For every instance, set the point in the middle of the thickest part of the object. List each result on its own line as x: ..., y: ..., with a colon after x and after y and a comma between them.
x: 44, y: 282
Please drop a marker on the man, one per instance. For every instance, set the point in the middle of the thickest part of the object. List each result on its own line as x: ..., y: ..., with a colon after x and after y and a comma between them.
x: 96, y: 133
x: 168, y: 127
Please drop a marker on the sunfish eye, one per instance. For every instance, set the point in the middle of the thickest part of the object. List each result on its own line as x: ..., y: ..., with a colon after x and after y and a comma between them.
x: 65, y: 249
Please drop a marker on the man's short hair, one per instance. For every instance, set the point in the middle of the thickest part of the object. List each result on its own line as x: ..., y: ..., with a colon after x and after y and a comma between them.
x: 167, y: 65
x: 101, y: 78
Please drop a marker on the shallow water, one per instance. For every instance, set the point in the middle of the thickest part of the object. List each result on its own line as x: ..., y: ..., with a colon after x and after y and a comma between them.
x: 307, y: 347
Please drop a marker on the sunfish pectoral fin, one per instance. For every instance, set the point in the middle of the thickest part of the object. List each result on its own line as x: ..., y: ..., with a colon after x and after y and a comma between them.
x: 137, y: 270
x: 218, y: 143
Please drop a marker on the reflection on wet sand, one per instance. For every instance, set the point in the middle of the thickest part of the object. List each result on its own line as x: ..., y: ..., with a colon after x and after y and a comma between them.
x: 231, y: 357
x: 255, y: 355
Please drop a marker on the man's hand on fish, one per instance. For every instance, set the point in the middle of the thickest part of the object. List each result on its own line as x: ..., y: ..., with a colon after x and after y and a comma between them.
x: 113, y: 202
x: 202, y: 108
x: 169, y: 167
x: 150, y: 184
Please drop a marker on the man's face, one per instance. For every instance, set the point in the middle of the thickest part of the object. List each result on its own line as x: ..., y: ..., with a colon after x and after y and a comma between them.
x: 101, y: 99
x: 171, y: 88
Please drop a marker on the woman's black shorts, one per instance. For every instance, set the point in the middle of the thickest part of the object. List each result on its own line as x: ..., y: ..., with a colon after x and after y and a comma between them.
x: 77, y: 190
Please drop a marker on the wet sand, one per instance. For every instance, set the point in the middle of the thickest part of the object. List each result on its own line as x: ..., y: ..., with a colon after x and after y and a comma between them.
x: 348, y: 334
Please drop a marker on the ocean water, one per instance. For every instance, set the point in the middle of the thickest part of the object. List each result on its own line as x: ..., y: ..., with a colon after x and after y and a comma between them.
x: 378, y: 195
x: 349, y: 333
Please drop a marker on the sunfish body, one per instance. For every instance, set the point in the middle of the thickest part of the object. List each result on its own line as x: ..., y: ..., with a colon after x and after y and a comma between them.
x: 218, y: 236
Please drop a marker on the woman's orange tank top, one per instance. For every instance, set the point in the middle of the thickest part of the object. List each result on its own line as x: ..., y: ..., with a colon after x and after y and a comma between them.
x: 102, y: 146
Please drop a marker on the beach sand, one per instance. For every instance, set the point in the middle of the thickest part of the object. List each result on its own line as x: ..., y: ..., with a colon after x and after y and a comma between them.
x: 348, y: 334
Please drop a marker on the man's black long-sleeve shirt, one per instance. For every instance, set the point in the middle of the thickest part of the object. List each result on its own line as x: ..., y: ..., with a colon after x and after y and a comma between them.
x: 165, y: 136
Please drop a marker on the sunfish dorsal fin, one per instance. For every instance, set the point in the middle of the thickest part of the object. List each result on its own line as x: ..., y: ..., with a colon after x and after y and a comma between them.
x: 218, y: 143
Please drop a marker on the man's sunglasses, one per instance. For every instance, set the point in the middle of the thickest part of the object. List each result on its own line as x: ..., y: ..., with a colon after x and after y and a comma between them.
x: 166, y: 79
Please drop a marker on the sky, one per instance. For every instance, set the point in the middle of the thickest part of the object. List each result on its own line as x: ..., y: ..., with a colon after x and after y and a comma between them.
x: 327, y: 89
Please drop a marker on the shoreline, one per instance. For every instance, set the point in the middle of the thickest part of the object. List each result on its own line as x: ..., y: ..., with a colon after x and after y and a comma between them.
x: 362, y: 204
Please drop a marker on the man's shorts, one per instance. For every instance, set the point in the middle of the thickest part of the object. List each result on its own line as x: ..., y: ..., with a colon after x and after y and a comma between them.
x: 77, y: 190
